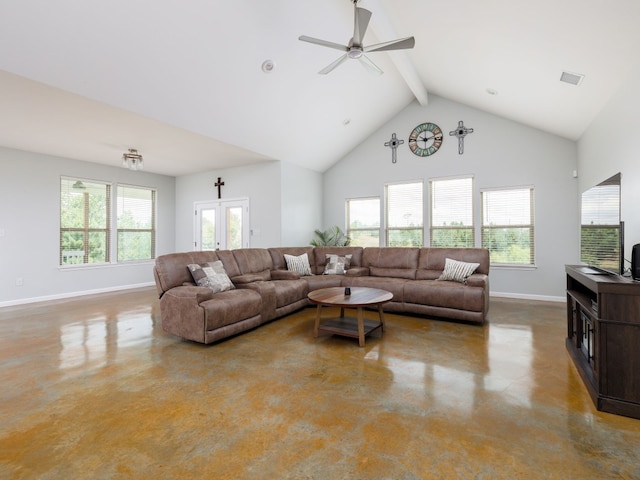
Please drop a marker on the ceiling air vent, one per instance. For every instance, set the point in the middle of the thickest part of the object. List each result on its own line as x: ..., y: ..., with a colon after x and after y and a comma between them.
x: 572, y: 78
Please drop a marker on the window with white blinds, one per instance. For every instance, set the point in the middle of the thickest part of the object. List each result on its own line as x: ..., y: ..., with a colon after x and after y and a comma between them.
x: 136, y: 223
x: 85, y: 221
x: 404, y: 214
x: 363, y: 221
x: 508, y: 225
x: 451, y: 212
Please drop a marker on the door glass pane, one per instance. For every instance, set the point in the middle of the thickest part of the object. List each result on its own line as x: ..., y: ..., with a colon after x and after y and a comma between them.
x: 208, y: 229
x: 234, y: 227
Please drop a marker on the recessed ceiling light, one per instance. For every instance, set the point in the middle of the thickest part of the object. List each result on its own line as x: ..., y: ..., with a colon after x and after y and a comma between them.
x: 491, y: 91
x: 268, y: 66
x: 572, y: 78
x: 346, y: 121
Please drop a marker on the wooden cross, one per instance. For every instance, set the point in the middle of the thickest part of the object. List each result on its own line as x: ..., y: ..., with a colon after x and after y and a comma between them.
x: 219, y: 184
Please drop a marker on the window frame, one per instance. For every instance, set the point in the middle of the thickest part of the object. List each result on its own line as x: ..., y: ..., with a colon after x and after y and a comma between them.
x: 86, y: 230
x: 350, y: 231
x: 530, y: 225
x: 153, y: 230
x: 388, y: 229
x: 470, y: 228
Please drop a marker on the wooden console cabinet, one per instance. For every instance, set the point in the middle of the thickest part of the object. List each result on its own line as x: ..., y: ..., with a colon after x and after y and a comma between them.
x: 603, y: 338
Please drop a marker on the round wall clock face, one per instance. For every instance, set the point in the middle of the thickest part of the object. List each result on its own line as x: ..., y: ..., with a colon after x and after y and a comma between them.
x: 425, y: 139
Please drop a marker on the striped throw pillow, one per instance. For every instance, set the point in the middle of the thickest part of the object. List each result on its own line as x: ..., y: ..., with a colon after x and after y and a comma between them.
x: 298, y: 264
x: 457, y: 271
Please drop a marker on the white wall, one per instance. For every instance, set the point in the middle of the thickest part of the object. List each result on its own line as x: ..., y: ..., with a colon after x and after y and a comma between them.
x: 610, y: 146
x: 499, y: 153
x: 261, y: 183
x: 301, y: 204
x: 30, y: 221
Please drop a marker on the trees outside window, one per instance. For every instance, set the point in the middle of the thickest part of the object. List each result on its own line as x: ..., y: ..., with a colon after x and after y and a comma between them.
x: 451, y: 203
x: 508, y: 225
x: 363, y: 221
x: 404, y: 214
x: 136, y: 222
x: 84, y: 222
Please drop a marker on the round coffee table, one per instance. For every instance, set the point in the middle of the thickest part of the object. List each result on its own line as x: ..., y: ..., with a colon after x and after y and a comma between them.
x: 359, y: 298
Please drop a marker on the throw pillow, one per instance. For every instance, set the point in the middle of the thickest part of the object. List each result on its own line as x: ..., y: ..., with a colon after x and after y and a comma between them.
x: 457, y: 271
x: 298, y: 264
x: 337, y: 265
x: 212, y: 275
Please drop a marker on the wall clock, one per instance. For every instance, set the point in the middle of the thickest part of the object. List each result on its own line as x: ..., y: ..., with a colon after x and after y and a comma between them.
x: 425, y: 139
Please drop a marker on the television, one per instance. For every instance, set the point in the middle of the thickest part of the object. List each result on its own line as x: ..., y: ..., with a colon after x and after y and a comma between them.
x: 601, y: 229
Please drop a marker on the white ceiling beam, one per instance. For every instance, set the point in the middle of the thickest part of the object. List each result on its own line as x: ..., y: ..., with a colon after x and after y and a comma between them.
x: 383, y: 29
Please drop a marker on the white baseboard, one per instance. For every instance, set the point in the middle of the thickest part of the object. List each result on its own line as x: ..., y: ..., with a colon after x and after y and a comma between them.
x: 62, y: 296
x: 524, y: 296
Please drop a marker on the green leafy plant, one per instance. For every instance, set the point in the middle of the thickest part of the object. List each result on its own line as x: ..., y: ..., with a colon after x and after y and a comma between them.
x: 333, y: 237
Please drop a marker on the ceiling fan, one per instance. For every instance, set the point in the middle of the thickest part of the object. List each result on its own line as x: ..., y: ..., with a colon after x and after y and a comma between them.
x: 355, y: 48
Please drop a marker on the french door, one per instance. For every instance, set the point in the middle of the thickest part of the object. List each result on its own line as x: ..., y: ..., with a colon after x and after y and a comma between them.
x: 221, y: 224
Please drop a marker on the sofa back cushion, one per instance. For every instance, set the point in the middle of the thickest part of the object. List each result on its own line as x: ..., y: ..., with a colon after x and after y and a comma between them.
x: 256, y: 261
x: 431, y: 261
x: 397, y: 262
x: 277, y: 256
x: 320, y: 254
x: 171, y: 270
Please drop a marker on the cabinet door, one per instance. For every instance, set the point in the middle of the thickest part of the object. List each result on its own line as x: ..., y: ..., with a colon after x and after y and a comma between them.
x: 620, y: 360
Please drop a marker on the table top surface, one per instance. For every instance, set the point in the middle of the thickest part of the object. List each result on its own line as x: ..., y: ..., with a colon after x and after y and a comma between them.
x: 360, y: 296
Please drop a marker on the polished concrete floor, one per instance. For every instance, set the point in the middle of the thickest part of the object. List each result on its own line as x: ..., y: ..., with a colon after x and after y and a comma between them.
x: 92, y: 388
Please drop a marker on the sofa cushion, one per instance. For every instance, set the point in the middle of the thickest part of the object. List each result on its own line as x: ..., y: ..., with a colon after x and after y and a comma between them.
x: 211, y: 275
x: 298, y: 264
x: 231, y: 307
x: 337, y: 265
x: 171, y: 269
x: 277, y: 256
x: 396, y: 262
x: 445, y: 294
x: 320, y: 255
x: 457, y: 271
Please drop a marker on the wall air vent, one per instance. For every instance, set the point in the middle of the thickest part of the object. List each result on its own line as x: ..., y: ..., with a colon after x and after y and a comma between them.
x: 572, y: 78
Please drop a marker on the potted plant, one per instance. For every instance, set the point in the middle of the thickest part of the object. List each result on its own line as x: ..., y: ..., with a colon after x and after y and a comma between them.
x: 333, y: 237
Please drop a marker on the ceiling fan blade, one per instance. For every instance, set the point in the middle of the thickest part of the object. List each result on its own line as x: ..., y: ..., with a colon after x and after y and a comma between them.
x: 333, y: 65
x: 370, y: 66
x: 324, y: 43
x: 399, y: 44
x: 361, y: 22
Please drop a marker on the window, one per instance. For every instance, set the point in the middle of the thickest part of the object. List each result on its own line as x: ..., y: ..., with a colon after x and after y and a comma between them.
x: 507, y: 225
x: 451, y: 212
x: 136, y: 220
x: 84, y: 222
x: 404, y: 215
x: 363, y: 221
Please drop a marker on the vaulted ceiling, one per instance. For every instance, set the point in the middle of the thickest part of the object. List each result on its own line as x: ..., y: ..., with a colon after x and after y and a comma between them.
x: 181, y: 80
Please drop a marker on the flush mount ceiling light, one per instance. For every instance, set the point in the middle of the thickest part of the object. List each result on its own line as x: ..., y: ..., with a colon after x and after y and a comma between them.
x: 132, y: 160
x: 571, y: 78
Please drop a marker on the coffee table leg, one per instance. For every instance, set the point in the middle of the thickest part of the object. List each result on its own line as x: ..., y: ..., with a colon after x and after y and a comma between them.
x: 360, y: 326
x: 315, y: 328
x: 381, y: 317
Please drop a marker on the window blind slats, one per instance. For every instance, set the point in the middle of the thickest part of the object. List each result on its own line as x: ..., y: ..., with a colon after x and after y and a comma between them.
x: 508, y: 225
x: 451, y: 212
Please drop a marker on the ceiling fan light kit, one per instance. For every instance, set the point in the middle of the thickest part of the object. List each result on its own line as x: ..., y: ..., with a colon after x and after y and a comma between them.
x: 355, y: 48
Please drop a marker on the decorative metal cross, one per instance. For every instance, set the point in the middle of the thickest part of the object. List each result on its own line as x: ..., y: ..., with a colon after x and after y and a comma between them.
x: 461, y: 132
x: 219, y: 184
x: 393, y: 143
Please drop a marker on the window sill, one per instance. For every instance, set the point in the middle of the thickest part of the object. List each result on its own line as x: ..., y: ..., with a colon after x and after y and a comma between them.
x: 94, y: 266
x: 511, y: 266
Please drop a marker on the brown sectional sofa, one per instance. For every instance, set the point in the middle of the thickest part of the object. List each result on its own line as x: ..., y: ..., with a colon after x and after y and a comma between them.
x: 266, y: 290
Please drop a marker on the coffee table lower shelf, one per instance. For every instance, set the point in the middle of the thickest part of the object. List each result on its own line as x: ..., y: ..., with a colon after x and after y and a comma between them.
x: 347, y: 326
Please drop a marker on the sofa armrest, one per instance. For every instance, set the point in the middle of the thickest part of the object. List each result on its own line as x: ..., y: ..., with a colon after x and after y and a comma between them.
x: 199, y: 294
x: 284, y: 275
x: 357, y: 272
x: 478, y: 280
